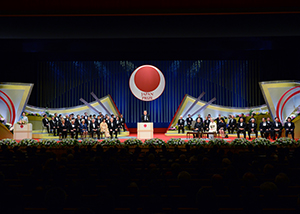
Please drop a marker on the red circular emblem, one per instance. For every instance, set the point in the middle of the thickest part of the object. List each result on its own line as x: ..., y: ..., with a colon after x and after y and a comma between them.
x: 145, y: 125
x: 21, y: 126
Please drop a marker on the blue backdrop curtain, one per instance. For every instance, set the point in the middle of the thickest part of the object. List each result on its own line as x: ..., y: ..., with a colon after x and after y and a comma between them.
x: 232, y: 82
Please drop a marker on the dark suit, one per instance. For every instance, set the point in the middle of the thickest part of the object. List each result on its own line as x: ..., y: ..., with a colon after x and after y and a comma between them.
x: 241, y: 128
x: 231, y: 125
x: 118, y: 125
x: 180, y: 125
x: 122, y: 120
x: 145, y: 118
x: 63, y: 130
x: 53, y: 126
x: 276, y: 128
x: 289, y: 128
x: 264, y: 128
x: 46, y: 123
x: 197, y: 128
x: 252, y: 129
x: 189, y: 121
x: 222, y: 125
x: 112, y: 129
x: 73, y: 129
x: 206, y: 125
x: 94, y: 129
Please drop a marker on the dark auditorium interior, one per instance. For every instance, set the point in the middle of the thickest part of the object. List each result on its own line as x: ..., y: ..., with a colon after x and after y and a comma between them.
x: 165, y: 180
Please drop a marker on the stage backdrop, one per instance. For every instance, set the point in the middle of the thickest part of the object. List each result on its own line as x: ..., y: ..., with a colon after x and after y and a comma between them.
x: 233, y: 82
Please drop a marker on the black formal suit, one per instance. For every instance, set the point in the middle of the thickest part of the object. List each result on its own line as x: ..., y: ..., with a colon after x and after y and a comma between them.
x: 289, y: 128
x: 197, y: 128
x: 231, y: 125
x: 189, y: 121
x: 270, y: 123
x: 276, y: 128
x: 145, y: 118
x: 112, y: 129
x: 241, y: 128
x: 53, y: 126
x: 93, y: 128
x: 218, y: 121
x: 46, y: 124
x: 180, y: 125
x: 63, y: 130
x: 264, y: 128
x: 73, y: 129
x: 67, y: 121
x: 122, y: 120
x: 118, y: 125
x: 222, y: 125
x: 206, y: 125
x: 252, y: 129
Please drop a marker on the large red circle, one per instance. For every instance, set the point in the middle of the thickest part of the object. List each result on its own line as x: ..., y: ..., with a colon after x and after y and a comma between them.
x: 147, y: 79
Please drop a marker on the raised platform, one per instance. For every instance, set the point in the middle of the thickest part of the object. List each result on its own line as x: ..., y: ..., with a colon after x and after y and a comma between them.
x: 175, y: 133
x: 39, y: 134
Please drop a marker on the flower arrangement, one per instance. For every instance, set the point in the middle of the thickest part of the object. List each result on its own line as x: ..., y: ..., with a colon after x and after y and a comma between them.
x: 218, y: 142
x: 8, y: 142
x: 154, y: 142
x: 110, y: 142
x: 240, y: 142
x: 49, y: 143
x: 29, y: 142
x: 22, y: 122
x: 175, y: 141
x: 68, y: 142
x: 261, y: 142
x: 285, y: 141
x: 196, y: 142
x: 133, y: 142
x: 88, y: 142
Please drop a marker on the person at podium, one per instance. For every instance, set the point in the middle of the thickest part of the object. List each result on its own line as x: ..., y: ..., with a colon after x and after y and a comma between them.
x: 145, y: 117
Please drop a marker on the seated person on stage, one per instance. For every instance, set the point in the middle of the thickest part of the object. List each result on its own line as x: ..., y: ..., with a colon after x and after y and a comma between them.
x: 241, y: 128
x: 218, y: 119
x: 271, y: 124
x: 145, y: 117
x: 63, y: 129
x: 104, y: 128
x: 83, y: 128
x: 94, y: 129
x: 46, y: 123
x: 212, y: 126
x: 222, y: 127
x: 199, y: 116
x: 113, y: 128
x: 73, y: 129
x: 242, y: 117
x: 252, y: 118
x: 206, y: 124
x: 252, y: 126
x: 53, y: 126
x: 289, y: 127
x: 180, y: 125
x: 231, y: 124
x: 277, y: 128
x: 264, y: 128
x: 197, y: 128
x: 189, y: 121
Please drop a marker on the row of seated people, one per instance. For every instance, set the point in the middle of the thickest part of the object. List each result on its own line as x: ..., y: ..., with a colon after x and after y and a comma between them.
x: 266, y: 127
x: 84, y: 125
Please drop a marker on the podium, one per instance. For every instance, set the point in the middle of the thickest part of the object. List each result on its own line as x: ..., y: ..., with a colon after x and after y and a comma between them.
x: 145, y: 130
x: 22, y: 131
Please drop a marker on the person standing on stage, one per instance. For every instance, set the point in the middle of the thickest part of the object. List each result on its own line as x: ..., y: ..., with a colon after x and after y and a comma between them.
x: 252, y: 127
x: 24, y: 118
x: 206, y: 124
x: 289, y: 127
x: 145, y: 117
x: 241, y: 127
x: 122, y: 120
x: 277, y: 128
x: 231, y: 124
x: 46, y: 123
x: 180, y: 124
x: 189, y: 121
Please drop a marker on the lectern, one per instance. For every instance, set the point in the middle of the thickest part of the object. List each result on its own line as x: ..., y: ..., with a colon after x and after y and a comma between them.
x: 145, y: 130
x: 22, y: 131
